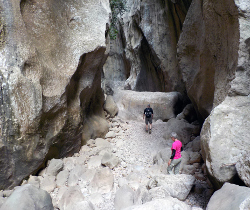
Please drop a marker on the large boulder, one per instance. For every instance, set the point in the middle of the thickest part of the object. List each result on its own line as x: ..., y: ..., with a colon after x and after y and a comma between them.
x: 224, y: 136
x: 177, y: 186
x: 230, y: 197
x: 28, y: 197
x: 110, y: 106
x: 50, y: 77
x: 131, y: 104
x: 183, y: 129
x: 95, y: 127
x: 208, y: 52
x: 225, y: 133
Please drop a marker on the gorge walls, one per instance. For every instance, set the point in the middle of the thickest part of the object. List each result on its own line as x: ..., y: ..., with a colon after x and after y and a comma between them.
x: 52, y: 53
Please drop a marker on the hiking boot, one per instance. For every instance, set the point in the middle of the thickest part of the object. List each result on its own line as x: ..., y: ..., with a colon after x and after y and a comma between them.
x: 149, y: 131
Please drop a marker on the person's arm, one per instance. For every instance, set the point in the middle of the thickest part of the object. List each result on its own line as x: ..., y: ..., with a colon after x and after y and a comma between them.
x: 172, y: 156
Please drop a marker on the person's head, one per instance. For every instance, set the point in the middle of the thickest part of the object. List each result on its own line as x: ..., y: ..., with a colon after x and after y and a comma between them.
x: 173, y: 136
x: 148, y: 106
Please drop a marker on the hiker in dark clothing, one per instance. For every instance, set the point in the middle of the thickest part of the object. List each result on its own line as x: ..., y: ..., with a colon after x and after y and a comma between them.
x: 148, y: 114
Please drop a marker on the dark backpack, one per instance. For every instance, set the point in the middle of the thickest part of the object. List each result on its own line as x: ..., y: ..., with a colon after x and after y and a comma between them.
x: 148, y: 113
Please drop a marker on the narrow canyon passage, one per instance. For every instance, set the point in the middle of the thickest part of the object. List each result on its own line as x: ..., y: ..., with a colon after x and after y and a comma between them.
x: 133, y: 163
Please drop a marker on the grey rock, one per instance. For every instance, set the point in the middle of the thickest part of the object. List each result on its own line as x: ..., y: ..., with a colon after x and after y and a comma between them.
x: 110, y: 134
x: 54, y: 167
x: 48, y: 183
x: 230, y: 197
x: 62, y: 178
x: 28, y: 197
x: 161, y: 204
x: 219, y: 131
x: 178, y: 186
x: 183, y: 129
x: 34, y: 180
x: 72, y: 199
x: 102, y: 181
x: 131, y: 104
x: 124, y: 197
x: 110, y: 160
x: 110, y: 106
x: 243, y: 168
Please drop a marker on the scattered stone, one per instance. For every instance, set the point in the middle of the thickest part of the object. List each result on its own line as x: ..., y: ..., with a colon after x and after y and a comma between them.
x: 124, y: 197
x: 34, y: 180
x: 48, y: 183
x: 230, y: 196
x: 178, y: 186
x: 55, y: 166
x: 110, y: 160
x: 110, y: 134
x: 103, y: 181
x: 168, y: 203
x: 110, y: 106
x: 28, y: 197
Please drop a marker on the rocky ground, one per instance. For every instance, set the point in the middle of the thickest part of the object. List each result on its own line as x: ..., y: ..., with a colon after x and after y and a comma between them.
x: 126, y: 168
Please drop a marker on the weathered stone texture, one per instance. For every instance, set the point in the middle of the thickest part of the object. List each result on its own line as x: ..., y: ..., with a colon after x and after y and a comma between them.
x: 143, y: 58
x: 52, y: 53
x: 208, y: 52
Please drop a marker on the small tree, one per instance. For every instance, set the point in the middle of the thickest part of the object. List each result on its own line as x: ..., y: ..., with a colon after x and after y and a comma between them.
x: 118, y: 7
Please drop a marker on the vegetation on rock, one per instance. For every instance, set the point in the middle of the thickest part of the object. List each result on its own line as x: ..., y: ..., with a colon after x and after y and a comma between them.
x: 118, y: 7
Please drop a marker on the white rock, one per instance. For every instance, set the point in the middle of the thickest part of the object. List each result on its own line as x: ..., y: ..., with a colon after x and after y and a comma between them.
x: 62, y: 178
x: 103, y: 181
x: 124, y: 197
x: 48, y: 183
x: 55, y: 166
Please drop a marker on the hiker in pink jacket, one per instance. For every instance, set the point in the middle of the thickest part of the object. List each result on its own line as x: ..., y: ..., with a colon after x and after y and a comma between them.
x: 175, y: 159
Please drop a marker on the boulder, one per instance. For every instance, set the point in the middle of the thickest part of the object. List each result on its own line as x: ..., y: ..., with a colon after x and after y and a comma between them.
x: 95, y: 127
x: 102, y: 182
x: 183, y: 129
x: 178, y: 186
x: 73, y: 199
x: 243, y: 168
x: 28, y: 197
x: 224, y: 136
x: 110, y: 160
x: 48, y: 183
x: 124, y: 197
x: 206, y: 69
x: 110, y: 134
x: 50, y: 80
x: 55, y: 166
x: 62, y: 178
x: 110, y: 106
x: 230, y: 197
x: 34, y: 180
x: 131, y: 104
x: 161, y: 204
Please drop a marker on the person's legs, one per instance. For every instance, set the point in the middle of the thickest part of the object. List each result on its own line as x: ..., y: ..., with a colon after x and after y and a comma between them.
x: 150, y: 123
x: 173, y: 164
x: 177, y: 166
x: 146, y: 122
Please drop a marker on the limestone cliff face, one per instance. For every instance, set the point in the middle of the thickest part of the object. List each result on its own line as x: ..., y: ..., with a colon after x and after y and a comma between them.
x: 144, y: 56
x: 208, y: 52
x: 52, y: 53
x: 225, y: 134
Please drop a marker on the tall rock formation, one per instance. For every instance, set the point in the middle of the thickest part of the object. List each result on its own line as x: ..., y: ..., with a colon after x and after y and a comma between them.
x: 144, y: 56
x: 226, y: 132
x: 52, y: 53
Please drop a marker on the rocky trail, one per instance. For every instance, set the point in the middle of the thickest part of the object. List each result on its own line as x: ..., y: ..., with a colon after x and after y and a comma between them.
x: 126, y: 169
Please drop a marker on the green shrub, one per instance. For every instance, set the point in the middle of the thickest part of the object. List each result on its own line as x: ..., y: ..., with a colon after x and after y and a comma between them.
x: 118, y: 7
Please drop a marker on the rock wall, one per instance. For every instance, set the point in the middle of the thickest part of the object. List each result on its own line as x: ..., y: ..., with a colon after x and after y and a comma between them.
x: 208, y: 52
x: 144, y: 55
x: 52, y: 53
x: 225, y: 134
